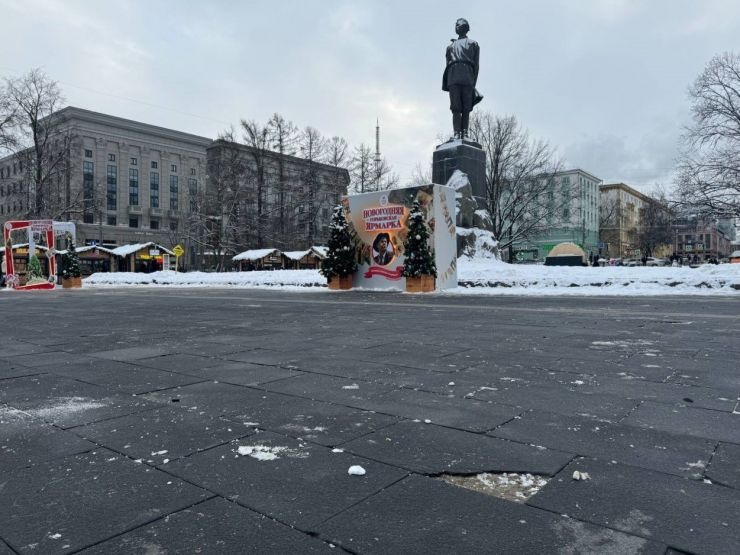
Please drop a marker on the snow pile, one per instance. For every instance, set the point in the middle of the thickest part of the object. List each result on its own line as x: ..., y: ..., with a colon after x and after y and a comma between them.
x: 506, y: 485
x: 261, y: 452
x: 356, y: 470
x: 478, y: 276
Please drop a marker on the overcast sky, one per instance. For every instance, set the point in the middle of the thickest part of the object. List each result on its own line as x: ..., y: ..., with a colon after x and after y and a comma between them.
x: 604, y: 81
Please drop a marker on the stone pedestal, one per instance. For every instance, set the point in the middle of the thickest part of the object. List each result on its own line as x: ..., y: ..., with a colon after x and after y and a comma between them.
x: 466, y: 156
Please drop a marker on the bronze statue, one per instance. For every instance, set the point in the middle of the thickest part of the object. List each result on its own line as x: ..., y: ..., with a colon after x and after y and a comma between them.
x: 461, y: 76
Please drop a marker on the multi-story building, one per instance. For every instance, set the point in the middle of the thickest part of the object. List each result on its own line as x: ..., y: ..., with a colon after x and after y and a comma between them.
x: 701, y: 237
x: 572, y: 208
x: 267, y: 199
x: 629, y: 219
x: 124, y: 181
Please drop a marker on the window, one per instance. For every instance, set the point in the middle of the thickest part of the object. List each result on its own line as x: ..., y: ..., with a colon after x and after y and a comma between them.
x: 173, y: 168
x: 134, y: 161
x: 192, y: 171
x: 173, y: 192
x: 566, y: 213
x: 88, y: 153
x: 111, y: 220
x: 133, y: 221
x: 173, y: 225
x: 193, y: 194
x: 111, y: 158
x: 112, y: 188
x: 154, y: 165
x: 88, y: 218
x: 133, y: 187
x: 154, y: 189
x: 154, y: 224
x: 88, y: 191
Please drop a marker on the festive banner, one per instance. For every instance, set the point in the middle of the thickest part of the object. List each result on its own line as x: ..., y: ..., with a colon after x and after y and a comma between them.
x: 378, y: 224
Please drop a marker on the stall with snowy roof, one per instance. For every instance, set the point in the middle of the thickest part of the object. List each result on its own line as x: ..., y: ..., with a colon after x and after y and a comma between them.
x: 309, y: 259
x: 144, y: 257
x: 94, y: 259
x: 260, y: 259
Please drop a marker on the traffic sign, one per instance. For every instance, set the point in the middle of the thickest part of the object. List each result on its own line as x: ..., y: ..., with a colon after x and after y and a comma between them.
x: 178, y: 250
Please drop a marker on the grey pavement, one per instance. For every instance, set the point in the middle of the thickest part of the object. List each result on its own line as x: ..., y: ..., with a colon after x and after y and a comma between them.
x: 225, y: 421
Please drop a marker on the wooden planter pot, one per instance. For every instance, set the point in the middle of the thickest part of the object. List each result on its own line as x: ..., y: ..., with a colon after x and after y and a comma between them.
x: 340, y: 282
x: 72, y: 283
x: 421, y: 284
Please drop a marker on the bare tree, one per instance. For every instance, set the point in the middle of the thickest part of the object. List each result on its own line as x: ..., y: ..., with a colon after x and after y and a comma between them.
x: 369, y: 175
x: 611, y: 221
x: 283, y: 138
x: 39, y: 144
x: 313, y: 150
x: 7, y: 123
x: 709, y: 169
x: 522, y: 196
x: 421, y: 174
x: 257, y: 138
x: 655, y: 223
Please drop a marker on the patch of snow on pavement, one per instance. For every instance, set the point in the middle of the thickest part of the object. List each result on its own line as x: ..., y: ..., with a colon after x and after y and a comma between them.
x: 65, y: 406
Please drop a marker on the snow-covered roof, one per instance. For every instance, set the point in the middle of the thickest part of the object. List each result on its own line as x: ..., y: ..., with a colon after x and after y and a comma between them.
x: 86, y: 248
x: 125, y: 250
x: 255, y: 254
x: 297, y: 255
x: 23, y: 246
x: 320, y: 252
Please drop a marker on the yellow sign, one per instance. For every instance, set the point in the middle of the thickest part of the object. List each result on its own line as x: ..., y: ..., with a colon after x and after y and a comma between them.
x: 178, y: 250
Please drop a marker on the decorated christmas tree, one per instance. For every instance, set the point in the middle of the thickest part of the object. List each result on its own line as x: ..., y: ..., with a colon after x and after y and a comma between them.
x: 419, y: 260
x: 71, y: 262
x: 340, y: 261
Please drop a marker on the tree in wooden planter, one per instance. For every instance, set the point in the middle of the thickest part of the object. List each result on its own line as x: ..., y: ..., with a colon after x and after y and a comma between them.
x: 71, y: 273
x: 419, y: 268
x: 340, y: 262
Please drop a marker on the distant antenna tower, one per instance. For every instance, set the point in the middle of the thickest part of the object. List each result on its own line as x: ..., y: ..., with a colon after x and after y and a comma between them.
x: 377, y: 150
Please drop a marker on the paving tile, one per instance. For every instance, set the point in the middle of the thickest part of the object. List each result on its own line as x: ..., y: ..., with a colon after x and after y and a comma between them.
x: 719, y: 378
x: 64, y: 505
x: 314, y: 421
x: 214, y: 526
x: 466, y: 414
x: 25, y: 440
x: 130, y: 353
x: 4, y: 549
x: 676, y: 454
x: 424, y: 515
x: 212, y: 398
x: 698, y: 422
x: 301, y: 484
x: 560, y: 399
x: 241, y: 373
x: 687, y: 515
x: 430, y: 449
x: 725, y: 466
x: 66, y: 402
x: 15, y: 370
x: 180, y: 362
x: 163, y: 433
x: 123, y: 376
x: 329, y: 388
x: 50, y: 358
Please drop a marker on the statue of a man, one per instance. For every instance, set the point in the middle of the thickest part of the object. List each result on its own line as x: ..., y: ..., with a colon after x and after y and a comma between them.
x: 460, y: 77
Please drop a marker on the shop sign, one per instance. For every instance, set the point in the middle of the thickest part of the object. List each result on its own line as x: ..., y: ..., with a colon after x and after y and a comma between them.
x: 153, y: 252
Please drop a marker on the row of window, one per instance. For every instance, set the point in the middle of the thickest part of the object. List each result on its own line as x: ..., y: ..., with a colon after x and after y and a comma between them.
x: 5, y: 172
x: 10, y: 189
x: 135, y: 162
x: 6, y: 209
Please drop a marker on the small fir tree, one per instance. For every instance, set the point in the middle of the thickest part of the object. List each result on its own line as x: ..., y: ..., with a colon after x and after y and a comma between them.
x: 340, y: 261
x: 419, y: 260
x: 34, y: 268
x: 71, y: 262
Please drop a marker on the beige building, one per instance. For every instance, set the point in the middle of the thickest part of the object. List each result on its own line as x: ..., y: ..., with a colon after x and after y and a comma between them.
x: 623, y: 215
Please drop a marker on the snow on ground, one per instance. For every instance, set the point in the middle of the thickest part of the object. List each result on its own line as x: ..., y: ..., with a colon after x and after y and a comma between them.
x: 478, y: 277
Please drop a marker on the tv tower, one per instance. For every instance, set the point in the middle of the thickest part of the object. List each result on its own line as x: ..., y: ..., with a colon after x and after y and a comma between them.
x: 377, y: 151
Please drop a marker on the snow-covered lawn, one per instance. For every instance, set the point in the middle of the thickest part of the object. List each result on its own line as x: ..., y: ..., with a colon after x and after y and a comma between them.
x: 478, y: 277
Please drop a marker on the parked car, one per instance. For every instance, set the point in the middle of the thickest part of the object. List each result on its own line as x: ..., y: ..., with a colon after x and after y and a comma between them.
x: 631, y: 262
x: 735, y: 257
x: 651, y: 261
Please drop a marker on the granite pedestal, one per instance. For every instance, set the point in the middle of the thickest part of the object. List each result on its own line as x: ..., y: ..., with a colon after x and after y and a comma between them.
x: 466, y: 156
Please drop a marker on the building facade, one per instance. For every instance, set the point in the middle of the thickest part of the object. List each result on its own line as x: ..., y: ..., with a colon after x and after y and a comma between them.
x: 259, y: 198
x: 124, y: 181
x: 701, y: 239
x: 628, y: 220
x: 573, y: 215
